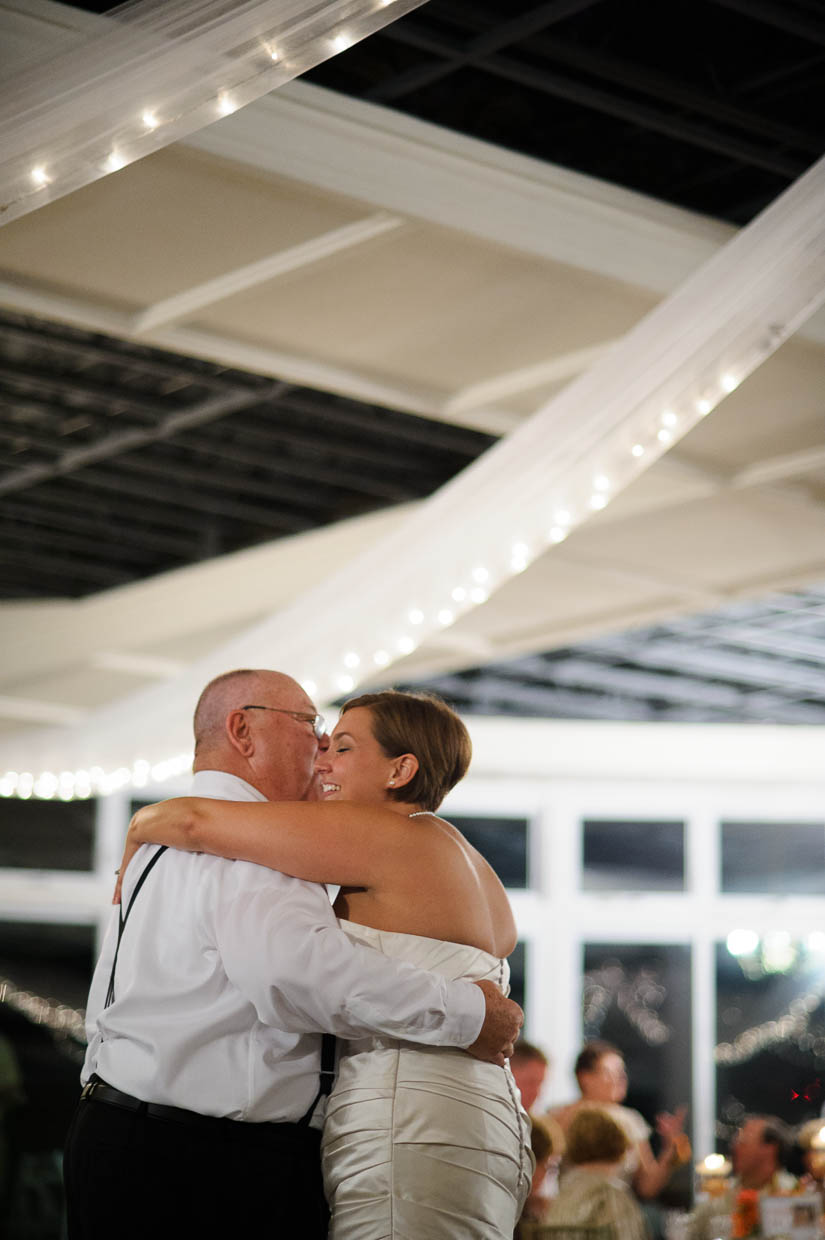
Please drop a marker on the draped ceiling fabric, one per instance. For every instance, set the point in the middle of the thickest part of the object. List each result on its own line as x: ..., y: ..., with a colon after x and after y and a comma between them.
x: 570, y: 459
x: 152, y: 71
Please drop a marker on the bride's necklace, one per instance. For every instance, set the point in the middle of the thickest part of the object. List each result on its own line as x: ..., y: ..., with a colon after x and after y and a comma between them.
x: 417, y: 813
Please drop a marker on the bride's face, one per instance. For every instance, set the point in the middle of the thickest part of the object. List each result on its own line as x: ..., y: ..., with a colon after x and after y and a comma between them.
x: 354, y: 767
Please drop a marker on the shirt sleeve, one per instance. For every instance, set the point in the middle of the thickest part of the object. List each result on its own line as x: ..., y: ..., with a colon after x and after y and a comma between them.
x: 281, y: 946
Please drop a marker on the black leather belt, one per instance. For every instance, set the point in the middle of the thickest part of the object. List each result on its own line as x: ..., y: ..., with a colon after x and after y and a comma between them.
x: 98, y: 1091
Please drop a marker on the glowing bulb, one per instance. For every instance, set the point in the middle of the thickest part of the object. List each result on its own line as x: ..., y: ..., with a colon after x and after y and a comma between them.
x: 557, y: 533
x: 598, y: 501
x: 480, y: 573
x: 479, y: 595
x: 342, y: 41
x: 669, y: 418
x: 406, y: 645
x: 601, y: 483
x: 445, y: 616
x: 459, y: 594
x: 226, y: 104
x: 729, y: 382
x: 351, y: 659
x: 150, y: 120
x: 415, y: 616
x: 703, y: 406
x: 715, y: 1162
x: 25, y: 785
x: 39, y: 176
x: 742, y: 942
x: 345, y: 683
x: 664, y: 436
x: 562, y: 517
x: 115, y: 162
x: 381, y: 658
x: 309, y: 687
x: 274, y: 53
x: 520, y: 550
x: 637, y: 450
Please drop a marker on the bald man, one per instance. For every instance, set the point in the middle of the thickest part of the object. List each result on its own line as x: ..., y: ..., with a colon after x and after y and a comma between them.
x: 202, y: 1101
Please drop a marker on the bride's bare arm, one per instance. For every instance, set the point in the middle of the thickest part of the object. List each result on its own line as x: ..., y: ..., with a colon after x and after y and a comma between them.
x: 337, y: 842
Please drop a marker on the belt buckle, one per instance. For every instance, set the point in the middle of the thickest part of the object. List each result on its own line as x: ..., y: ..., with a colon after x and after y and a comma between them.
x: 88, y: 1089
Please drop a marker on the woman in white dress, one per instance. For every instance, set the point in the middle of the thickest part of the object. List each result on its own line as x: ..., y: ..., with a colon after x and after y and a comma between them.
x: 419, y: 1142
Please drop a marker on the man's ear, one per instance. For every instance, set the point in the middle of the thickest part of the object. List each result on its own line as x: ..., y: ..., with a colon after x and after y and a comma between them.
x: 238, y: 733
x: 403, y: 769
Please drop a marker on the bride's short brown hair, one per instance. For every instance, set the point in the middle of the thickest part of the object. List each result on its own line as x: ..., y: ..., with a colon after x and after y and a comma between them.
x: 422, y: 724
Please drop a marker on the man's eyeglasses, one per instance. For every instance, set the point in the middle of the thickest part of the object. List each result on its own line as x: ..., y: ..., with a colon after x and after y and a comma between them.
x: 315, y: 721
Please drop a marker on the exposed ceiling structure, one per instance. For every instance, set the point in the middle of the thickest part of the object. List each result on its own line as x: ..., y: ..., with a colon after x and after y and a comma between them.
x: 318, y: 310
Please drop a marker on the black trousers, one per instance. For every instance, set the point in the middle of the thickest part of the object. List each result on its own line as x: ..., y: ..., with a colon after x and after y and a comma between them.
x: 136, y: 1177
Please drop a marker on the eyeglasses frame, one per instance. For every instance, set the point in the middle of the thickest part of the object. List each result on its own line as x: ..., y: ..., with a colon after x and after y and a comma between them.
x: 317, y: 722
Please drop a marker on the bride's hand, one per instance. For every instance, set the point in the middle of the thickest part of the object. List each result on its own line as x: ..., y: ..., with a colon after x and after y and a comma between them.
x: 131, y: 847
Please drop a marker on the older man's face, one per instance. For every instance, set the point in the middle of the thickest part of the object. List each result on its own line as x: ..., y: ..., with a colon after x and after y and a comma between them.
x: 285, y: 745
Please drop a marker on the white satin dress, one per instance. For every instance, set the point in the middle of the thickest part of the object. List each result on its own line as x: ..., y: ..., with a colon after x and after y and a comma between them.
x: 424, y: 1143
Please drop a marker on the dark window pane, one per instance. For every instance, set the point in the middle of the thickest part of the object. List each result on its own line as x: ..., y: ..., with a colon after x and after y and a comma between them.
x: 633, y: 856
x: 775, y: 857
x: 770, y: 1030
x: 639, y: 998
x: 501, y: 841
x: 518, y: 965
x: 49, y: 959
x: 47, y: 835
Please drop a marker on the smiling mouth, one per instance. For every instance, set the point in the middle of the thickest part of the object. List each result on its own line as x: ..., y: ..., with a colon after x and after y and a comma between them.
x: 329, y: 788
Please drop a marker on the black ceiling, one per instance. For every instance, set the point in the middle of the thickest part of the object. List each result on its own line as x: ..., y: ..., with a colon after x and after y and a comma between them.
x: 119, y: 461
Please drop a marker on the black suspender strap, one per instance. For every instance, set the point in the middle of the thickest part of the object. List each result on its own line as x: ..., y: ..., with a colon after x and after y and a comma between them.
x: 327, y: 1076
x: 124, y: 917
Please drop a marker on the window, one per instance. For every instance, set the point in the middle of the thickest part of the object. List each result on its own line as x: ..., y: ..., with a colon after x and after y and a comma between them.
x: 48, y: 835
x: 781, y: 858
x: 501, y: 841
x: 770, y: 1028
x: 621, y: 855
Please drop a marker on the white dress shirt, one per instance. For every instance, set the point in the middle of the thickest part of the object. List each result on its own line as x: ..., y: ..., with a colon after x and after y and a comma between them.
x: 227, y: 974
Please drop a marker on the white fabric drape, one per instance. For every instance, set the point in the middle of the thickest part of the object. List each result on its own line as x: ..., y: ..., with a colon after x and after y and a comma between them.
x: 151, y: 72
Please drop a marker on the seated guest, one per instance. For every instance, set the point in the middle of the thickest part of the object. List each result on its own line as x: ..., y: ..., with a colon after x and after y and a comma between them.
x: 759, y: 1151
x: 592, y: 1193
x: 529, y: 1066
x: 547, y: 1142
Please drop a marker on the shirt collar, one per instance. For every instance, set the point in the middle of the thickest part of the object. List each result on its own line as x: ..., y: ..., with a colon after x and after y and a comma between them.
x: 221, y: 786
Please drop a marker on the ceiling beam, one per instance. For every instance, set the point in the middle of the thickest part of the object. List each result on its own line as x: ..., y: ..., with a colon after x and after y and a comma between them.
x: 526, y: 378
x: 780, y: 17
x: 187, y: 303
x: 27, y: 710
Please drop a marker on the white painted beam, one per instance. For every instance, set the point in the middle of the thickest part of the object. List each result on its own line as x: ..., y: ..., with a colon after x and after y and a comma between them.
x: 188, y: 302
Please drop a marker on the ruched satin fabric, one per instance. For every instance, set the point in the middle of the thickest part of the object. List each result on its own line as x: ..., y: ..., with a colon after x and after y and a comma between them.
x: 422, y: 1143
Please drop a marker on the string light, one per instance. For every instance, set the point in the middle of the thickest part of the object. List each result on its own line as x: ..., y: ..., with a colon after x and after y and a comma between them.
x: 345, y: 683
x: 703, y: 406
x: 669, y: 418
x: 309, y: 687
x: 459, y: 594
x: 480, y: 574
x: 601, y: 483
x: 351, y: 659
x: 150, y: 120
x: 226, y: 104
x: 729, y: 383
x: 557, y: 533
x: 664, y: 436
x: 406, y: 645
x: 39, y: 176
x: 479, y: 595
x: 598, y: 500
x: 445, y: 617
x: 415, y: 616
x: 342, y: 41
x: 637, y: 450
x: 382, y: 658
x: 114, y: 162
